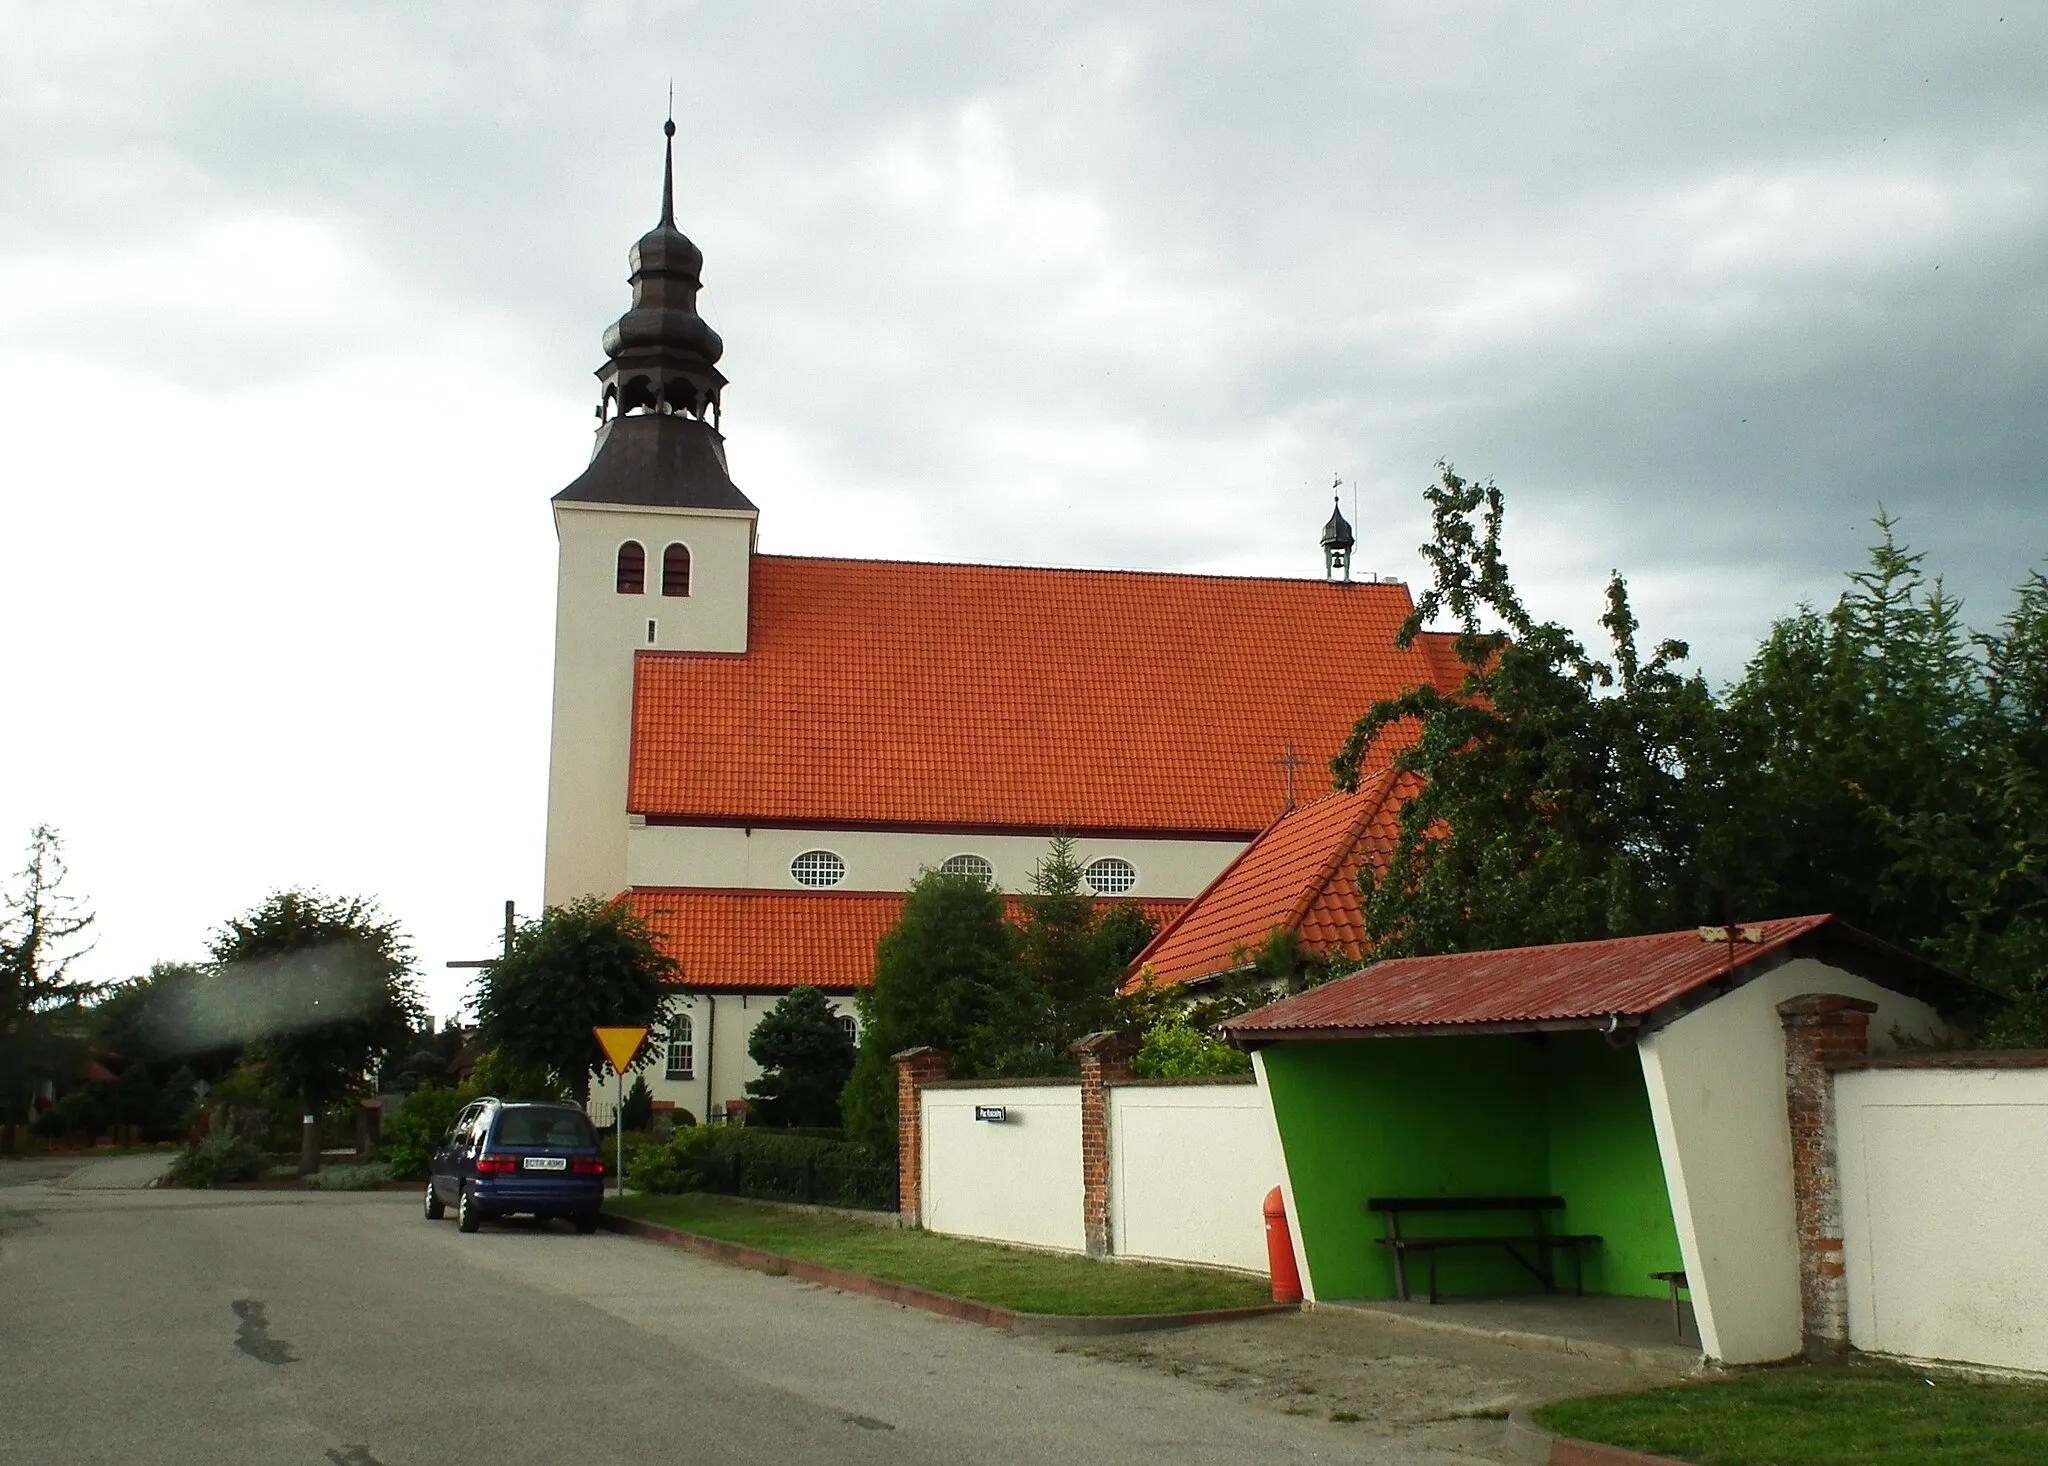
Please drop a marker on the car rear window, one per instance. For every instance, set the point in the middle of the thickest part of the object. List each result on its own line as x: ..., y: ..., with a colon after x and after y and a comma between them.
x: 544, y: 1127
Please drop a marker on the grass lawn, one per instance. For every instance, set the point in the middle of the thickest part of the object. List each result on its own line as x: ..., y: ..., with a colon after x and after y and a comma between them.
x: 1008, y: 1277
x: 1848, y: 1415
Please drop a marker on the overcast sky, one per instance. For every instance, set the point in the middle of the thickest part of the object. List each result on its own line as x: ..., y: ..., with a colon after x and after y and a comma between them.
x: 299, y: 305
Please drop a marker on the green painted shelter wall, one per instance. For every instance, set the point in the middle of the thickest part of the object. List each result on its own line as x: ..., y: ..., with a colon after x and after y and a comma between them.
x: 1605, y: 1163
x: 1458, y: 1116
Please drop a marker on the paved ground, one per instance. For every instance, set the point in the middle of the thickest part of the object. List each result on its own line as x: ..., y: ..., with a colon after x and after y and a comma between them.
x: 278, y: 1327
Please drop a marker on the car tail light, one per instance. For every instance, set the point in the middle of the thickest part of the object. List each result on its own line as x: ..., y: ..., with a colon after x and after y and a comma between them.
x: 585, y: 1165
x: 496, y: 1165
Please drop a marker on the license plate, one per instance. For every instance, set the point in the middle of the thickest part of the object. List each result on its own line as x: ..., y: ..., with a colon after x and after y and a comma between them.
x: 545, y: 1163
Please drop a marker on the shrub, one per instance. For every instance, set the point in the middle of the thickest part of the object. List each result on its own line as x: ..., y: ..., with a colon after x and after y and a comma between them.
x: 350, y: 1178
x: 771, y: 1165
x: 216, y: 1159
x: 637, y: 1113
x: 411, y: 1136
x: 1173, y: 1048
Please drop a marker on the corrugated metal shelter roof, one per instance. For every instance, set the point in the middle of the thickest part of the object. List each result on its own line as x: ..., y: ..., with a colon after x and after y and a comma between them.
x: 1627, y: 982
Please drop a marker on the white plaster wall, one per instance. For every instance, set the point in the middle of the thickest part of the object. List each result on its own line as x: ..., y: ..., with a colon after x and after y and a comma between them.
x: 1716, y: 1080
x: 597, y: 631
x: 1019, y: 1181
x: 733, y: 1016
x: 1190, y: 1166
x: 1308, y: 1285
x: 758, y: 858
x: 1945, y: 1212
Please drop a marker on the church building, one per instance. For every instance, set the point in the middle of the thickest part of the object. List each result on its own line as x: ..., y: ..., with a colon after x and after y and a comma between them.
x: 761, y: 752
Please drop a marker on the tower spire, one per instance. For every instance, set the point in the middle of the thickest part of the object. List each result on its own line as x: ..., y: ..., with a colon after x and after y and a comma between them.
x: 668, y: 164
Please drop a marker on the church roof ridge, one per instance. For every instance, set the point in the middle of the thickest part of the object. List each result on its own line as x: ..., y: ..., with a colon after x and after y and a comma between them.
x: 1110, y: 570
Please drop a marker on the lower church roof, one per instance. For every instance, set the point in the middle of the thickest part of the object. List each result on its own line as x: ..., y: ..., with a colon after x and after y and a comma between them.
x: 771, y: 941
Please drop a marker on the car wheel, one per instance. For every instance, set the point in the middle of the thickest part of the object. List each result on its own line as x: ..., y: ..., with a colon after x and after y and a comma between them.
x: 435, y: 1208
x: 468, y: 1215
x: 586, y: 1222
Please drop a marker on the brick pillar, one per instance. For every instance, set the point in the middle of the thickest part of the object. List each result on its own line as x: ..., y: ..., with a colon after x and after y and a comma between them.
x: 915, y: 1068
x: 1819, y: 1027
x: 1105, y: 1057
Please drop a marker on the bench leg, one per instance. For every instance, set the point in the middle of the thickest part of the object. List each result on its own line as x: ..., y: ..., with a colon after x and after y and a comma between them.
x: 1677, y: 1318
x: 1400, y: 1272
x: 1432, y: 1275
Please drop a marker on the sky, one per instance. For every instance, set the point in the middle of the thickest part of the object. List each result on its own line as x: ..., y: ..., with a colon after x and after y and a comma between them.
x: 299, y: 306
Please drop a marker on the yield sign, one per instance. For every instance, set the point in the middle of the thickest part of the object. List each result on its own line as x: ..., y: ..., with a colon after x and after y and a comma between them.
x: 620, y: 1045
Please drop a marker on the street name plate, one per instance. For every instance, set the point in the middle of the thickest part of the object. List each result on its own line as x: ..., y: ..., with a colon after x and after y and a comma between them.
x: 997, y: 1114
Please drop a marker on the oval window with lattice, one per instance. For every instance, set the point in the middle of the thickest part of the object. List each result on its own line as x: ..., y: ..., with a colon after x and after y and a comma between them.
x: 970, y: 865
x: 817, y: 868
x: 1110, y: 876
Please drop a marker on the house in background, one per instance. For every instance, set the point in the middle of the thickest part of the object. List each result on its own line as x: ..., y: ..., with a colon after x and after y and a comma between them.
x: 762, y: 752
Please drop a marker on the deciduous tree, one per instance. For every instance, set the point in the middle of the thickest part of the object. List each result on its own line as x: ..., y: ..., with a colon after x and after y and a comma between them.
x: 43, y: 931
x: 588, y: 964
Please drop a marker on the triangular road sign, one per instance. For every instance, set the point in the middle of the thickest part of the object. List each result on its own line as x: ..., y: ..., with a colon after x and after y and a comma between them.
x: 620, y: 1045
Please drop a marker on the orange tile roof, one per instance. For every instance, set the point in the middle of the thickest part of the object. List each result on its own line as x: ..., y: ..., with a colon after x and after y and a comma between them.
x: 1301, y: 874
x: 775, y: 940
x: 1624, y: 981
x: 994, y: 697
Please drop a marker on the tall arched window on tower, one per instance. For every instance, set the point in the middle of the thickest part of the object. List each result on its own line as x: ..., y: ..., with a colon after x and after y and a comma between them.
x: 632, y: 569
x: 675, y: 570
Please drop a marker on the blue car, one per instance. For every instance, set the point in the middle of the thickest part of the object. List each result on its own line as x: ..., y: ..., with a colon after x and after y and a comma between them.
x: 504, y: 1157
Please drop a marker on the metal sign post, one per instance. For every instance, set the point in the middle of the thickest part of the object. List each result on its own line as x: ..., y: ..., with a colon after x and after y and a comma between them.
x: 621, y: 1047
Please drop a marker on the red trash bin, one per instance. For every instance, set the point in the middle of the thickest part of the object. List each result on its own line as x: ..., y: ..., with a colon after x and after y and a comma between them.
x: 1280, y: 1251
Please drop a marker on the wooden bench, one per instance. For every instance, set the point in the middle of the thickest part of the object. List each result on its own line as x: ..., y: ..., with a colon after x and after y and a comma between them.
x: 1538, y: 1238
x: 1678, y: 1284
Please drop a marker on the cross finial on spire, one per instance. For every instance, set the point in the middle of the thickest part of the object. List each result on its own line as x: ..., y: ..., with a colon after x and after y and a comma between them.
x: 1290, y: 763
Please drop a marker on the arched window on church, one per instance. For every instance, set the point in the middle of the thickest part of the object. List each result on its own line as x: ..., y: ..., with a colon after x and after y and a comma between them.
x: 675, y: 570
x: 682, y: 1049
x: 632, y: 569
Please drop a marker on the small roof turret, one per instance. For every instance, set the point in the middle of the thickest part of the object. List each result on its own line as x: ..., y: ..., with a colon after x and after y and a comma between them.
x: 1337, y: 543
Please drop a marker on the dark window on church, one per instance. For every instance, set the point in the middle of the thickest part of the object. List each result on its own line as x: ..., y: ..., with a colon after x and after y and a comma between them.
x: 632, y: 569
x: 675, y: 570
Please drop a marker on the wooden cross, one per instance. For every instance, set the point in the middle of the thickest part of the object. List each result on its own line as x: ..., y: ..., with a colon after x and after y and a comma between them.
x: 1289, y: 763
x: 492, y: 961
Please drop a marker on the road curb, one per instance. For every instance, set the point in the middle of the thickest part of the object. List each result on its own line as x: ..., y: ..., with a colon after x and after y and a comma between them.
x: 946, y: 1305
x: 1531, y: 1442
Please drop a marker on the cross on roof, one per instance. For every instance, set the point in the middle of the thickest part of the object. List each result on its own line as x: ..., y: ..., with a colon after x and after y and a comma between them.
x: 1290, y: 763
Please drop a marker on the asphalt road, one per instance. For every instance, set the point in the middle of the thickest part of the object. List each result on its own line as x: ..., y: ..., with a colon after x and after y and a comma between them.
x: 343, y: 1330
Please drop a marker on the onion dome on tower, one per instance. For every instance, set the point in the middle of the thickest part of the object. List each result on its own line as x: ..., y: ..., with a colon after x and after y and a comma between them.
x: 658, y: 438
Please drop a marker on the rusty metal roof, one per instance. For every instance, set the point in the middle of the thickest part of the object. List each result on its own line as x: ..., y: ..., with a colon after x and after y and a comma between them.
x: 1621, y: 982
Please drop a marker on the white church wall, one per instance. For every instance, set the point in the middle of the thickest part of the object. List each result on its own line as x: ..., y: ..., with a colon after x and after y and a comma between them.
x: 597, y: 632
x: 759, y: 858
x: 720, y: 1025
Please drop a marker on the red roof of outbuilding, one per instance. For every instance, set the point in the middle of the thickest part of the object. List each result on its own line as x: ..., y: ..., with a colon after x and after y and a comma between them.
x: 775, y: 940
x: 1301, y: 875
x: 1569, y: 985
x: 991, y: 697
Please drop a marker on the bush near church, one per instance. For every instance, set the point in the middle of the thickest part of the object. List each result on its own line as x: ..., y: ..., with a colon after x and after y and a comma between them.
x: 771, y: 1165
x: 806, y: 1056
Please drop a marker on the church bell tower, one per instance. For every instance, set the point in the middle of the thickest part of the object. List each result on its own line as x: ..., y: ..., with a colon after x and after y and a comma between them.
x: 655, y: 542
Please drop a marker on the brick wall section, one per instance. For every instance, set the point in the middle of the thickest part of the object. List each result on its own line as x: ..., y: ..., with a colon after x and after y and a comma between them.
x: 915, y: 1068
x: 1820, y: 1029
x: 1105, y: 1058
